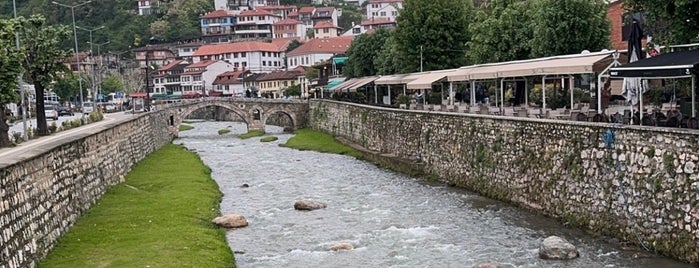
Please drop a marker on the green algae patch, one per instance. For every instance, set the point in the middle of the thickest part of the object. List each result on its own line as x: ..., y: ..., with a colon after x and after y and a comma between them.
x: 252, y: 134
x: 159, y: 217
x: 184, y: 127
x: 224, y: 131
x: 268, y: 139
x: 308, y: 139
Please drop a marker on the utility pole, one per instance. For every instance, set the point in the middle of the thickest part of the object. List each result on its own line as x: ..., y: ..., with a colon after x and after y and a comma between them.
x: 22, y: 103
x: 92, y: 65
x: 99, y: 69
x: 420, y: 58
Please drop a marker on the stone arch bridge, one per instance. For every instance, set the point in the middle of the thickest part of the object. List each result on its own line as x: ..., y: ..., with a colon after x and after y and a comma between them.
x: 253, y: 111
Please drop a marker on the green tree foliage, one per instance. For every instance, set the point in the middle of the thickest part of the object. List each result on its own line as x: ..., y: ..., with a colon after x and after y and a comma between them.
x: 10, y: 68
x: 311, y: 74
x: 364, y: 50
x: 294, y: 90
x: 67, y: 87
x: 350, y: 14
x: 180, y: 20
x: 111, y: 84
x: 670, y: 22
x: 43, y: 58
x: 501, y: 32
x: 569, y: 27
x: 440, y: 27
x: 388, y: 61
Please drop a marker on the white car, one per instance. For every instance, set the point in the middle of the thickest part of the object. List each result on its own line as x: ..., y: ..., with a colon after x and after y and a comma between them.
x: 51, y: 112
x: 87, y: 107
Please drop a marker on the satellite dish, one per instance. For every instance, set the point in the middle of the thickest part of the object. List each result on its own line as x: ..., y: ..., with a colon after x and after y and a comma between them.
x: 585, y: 52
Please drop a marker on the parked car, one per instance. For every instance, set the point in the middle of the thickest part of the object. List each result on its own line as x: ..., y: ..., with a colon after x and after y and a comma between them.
x: 87, y: 107
x: 50, y: 112
x: 63, y: 110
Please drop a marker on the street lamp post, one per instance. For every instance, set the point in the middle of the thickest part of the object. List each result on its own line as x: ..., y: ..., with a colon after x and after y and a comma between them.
x: 22, y: 103
x: 92, y: 65
x: 75, y: 38
x: 99, y: 67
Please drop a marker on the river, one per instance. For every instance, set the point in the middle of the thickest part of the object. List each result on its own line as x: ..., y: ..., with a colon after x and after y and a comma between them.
x: 392, y: 220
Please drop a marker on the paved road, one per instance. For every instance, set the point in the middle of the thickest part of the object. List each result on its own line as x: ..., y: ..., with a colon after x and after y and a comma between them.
x: 36, y: 143
x: 17, y: 127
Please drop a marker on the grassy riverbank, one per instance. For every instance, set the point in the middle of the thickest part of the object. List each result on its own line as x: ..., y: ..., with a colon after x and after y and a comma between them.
x: 160, y: 217
x: 308, y: 139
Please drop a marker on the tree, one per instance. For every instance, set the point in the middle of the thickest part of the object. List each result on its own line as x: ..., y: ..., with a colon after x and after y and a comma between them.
x: 435, y: 29
x: 43, y: 58
x: 362, y: 53
x: 294, y: 90
x: 311, y: 74
x: 133, y: 80
x: 181, y: 19
x: 569, y: 27
x: 10, y: 69
x: 111, y: 84
x: 387, y: 61
x: 67, y: 87
x: 670, y: 22
x: 501, y: 32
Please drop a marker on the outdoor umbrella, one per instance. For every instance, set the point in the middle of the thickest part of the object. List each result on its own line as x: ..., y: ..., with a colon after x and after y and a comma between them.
x: 633, y: 88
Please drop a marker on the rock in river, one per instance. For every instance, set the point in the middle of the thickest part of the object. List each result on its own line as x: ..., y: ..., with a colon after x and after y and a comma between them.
x: 231, y: 221
x: 342, y: 246
x: 556, y: 248
x: 308, y: 205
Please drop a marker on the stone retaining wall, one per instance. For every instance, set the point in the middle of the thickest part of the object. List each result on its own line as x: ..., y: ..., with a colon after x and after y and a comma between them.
x: 45, y: 191
x: 622, y: 181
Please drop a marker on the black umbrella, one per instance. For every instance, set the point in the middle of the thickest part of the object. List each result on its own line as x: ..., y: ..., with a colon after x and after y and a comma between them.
x: 633, y: 88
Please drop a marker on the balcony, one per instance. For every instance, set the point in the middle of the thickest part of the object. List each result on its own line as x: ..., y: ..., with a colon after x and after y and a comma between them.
x: 253, y: 31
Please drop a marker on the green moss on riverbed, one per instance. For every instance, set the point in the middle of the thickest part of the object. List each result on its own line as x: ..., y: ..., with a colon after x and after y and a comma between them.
x: 308, y: 139
x: 160, y: 217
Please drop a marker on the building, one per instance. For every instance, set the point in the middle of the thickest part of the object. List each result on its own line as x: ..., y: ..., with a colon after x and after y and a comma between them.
x: 305, y: 15
x: 230, y: 83
x: 198, y: 78
x: 325, y: 29
x: 186, y: 50
x: 166, y: 80
x: 217, y: 26
x: 383, y: 9
x: 289, y: 28
x: 252, y: 55
x: 243, y: 4
x: 318, y: 50
x: 148, y: 7
x: 254, y: 25
x: 281, y: 11
x: 324, y: 14
x: 620, y: 20
x: 273, y: 84
x: 158, y: 55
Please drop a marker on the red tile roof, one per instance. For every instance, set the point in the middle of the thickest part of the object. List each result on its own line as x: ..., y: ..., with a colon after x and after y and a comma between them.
x: 229, y: 78
x: 192, y: 72
x: 171, y: 65
x: 249, y: 46
x: 283, y: 43
x: 200, y: 64
x: 324, y: 24
x: 279, y: 75
x: 287, y: 22
x: 256, y: 12
x: 335, y: 45
x: 218, y: 14
x: 293, y: 14
x: 325, y: 9
x: 306, y: 10
x: 377, y: 21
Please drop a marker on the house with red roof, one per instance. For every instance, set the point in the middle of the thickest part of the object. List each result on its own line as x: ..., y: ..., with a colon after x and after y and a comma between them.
x: 198, y: 78
x: 318, y: 50
x: 326, y: 29
x: 282, y: 11
x: 157, y: 55
x: 324, y: 14
x: 167, y: 78
x: 305, y: 15
x: 230, y: 83
x: 254, y: 25
x: 387, y: 9
x: 255, y: 56
x: 217, y: 26
x: 289, y: 28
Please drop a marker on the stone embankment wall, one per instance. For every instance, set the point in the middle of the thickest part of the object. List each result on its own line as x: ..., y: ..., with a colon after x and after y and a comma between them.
x: 43, y: 191
x: 635, y: 183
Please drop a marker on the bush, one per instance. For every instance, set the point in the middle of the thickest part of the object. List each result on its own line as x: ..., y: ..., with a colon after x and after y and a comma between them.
x: 53, y: 127
x: 402, y: 99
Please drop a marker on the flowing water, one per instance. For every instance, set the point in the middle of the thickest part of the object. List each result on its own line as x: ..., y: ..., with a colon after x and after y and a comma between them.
x: 391, y: 219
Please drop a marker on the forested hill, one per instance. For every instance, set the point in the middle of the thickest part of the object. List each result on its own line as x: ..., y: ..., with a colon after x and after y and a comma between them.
x: 123, y: 27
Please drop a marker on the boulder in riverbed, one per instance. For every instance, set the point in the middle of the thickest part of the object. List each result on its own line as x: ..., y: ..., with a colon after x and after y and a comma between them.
x: 308, y: 205
x: 342, y: 246
x: 556, y: 248
x: 231, y: 221
x: 487, y: 265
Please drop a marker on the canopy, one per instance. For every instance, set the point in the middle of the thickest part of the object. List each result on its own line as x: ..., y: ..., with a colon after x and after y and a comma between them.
x: 671, y: 65
x: 339, y: 60
x: 334, y: 82
x: 390, y: 79
x: 344, y: 84
x: 425, y: 81
x: 361, y: 82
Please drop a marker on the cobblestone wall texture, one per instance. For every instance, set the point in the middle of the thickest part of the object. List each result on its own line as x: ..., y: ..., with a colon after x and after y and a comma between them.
x: 42, y: 197
x: 635, y: 183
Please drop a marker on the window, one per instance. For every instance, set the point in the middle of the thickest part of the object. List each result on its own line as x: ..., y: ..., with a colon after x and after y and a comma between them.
x: 394, y: 13
x: 269, y: 63
x: 264, y: 54
x: 356, y: 30
x: 235, y: 64
x: 235, y: 55
x: 245, y: 64
x: 383, y: 13
x: 373, y: 14
x: 326, y: 30
x: 264, y: 63
x: 275, y: 63
x: 243, y: 54
x: 261, y: 17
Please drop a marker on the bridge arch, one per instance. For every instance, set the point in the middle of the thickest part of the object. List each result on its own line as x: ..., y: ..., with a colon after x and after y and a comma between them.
x: 286, y: 113
x: 183, y: 112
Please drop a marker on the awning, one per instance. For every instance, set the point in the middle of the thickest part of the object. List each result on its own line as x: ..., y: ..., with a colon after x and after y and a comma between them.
x: 390, y: 79
x: 361, y: 82
x: 339, y: 60
x: 425, y: 81
x: 334, y: 82
x: 345, y: 84
x: 583, y: 64
x: 671, y: 65
x: 137, y: 95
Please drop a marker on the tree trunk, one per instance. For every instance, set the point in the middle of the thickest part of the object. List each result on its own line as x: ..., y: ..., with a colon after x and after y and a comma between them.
x: 4, y: 128
x: 41, y: 125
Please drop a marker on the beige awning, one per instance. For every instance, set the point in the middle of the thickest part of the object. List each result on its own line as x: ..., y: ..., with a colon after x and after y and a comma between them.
x: 390, y: 79
x: 425, y: 81
x: 345, y: 84
x: 361, y: 82
x: 589, y: 63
